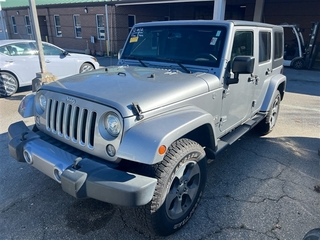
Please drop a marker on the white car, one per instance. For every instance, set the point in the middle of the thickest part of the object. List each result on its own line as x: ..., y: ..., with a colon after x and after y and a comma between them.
x: 19, y: 63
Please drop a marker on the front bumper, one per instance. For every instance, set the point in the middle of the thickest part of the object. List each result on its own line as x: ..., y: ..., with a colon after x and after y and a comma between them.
x: 89, y: 178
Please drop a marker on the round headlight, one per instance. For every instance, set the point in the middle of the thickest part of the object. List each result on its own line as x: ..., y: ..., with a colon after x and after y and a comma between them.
x: 112, y: 124
x: 42, y: 102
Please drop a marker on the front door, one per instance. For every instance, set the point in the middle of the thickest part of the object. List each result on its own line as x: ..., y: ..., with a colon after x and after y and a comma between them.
x: 237, y: 98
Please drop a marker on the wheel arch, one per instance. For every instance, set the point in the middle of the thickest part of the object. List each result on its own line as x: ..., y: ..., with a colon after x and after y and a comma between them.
x: 141, y: 142
x: 278, y: 82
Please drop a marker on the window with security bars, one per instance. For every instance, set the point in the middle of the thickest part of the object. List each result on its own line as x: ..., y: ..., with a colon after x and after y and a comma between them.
x: 28, y: 25
x: 14, y: 25
x: 100, y: 27
x: 57, y: 25
x: 77, y: 26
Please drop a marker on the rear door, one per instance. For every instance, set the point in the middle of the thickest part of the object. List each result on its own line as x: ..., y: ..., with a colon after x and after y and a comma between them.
x: 263, y: 67
x: 22, y: 59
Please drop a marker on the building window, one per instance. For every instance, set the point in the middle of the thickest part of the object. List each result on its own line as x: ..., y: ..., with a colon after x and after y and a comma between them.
x: 57, y: 25
x: 77, y: 26
x: 100, y: 27
x: 14, y: 25
x: 28, y: 25
x: 131, y: 21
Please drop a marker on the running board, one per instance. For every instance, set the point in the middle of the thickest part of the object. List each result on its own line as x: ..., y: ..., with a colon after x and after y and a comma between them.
x: 234, y: 135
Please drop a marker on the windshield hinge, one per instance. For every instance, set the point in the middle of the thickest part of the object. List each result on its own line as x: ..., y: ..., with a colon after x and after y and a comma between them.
x: 137, y: 110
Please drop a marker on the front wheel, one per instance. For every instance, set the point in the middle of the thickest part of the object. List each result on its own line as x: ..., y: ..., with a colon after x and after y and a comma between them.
x: 181, y: 180
x: 267, y: 124
x: 86, y: 67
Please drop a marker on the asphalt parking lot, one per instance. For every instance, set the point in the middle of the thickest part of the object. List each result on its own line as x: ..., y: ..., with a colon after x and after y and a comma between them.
x: 259, y: 188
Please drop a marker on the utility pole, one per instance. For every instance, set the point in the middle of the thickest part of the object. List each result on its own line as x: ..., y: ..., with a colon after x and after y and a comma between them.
x: 43, y: 76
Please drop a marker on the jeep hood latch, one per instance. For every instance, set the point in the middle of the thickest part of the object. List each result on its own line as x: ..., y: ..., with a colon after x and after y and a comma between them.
x: 137, y: 110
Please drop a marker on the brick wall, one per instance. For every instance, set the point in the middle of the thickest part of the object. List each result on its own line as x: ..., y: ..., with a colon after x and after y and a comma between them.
x: 276, y: 12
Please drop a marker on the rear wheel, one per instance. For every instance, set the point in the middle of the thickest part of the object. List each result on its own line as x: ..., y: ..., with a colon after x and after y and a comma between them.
x: 298, y: 64
x: 268, y: 123
x: 181, y: 180
x: 8, y: 84
x: 86, y: 67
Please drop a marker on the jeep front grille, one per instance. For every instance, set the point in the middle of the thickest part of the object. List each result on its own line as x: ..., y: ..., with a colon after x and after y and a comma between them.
x: 71, y: 122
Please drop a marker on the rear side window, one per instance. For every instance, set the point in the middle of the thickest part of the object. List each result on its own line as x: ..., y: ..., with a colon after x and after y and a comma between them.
x: 264, y: 46
x: 278, y: 45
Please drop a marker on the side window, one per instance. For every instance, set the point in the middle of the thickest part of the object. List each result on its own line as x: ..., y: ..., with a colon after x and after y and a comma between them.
x: 50, y: 50
x: 24, y: 49
x: 278, y: 45
x: 77, y: 26
x: 264, y: 46
x: 242, y: 44
x: 4, y: 50
x: 57, y: 25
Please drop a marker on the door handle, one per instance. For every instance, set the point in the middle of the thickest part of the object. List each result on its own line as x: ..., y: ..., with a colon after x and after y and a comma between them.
x: 269, y: 71
x: 47, y: 61
x: 9, y: 61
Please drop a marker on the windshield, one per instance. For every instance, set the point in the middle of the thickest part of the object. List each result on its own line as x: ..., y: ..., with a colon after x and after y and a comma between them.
x: 192, y: 44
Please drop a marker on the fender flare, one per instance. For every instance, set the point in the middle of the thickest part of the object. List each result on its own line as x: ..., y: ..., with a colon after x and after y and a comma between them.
x: 274, y: 84
x: 141, y: 142
x: 26, y: 106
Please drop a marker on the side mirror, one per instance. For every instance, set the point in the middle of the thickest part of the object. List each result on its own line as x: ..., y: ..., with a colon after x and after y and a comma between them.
x: 65, y: 53
x: 241, y: 65
x: 119, y: 53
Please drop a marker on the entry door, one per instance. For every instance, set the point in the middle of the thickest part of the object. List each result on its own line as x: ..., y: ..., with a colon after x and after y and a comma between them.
x: 237, y: 99
x: 43, y: 28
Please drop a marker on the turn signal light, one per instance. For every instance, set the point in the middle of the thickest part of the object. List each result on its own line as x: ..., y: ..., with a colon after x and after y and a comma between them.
x: 162, y: 149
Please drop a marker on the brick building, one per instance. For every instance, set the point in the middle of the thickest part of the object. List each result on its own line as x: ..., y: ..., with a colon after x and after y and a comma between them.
x: 102, y: 25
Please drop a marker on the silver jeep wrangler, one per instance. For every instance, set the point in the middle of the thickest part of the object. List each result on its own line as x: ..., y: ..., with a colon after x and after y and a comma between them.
x: 139, y: 134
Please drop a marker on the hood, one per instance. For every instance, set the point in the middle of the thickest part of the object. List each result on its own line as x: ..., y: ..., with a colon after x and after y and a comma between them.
x: 119, y: 87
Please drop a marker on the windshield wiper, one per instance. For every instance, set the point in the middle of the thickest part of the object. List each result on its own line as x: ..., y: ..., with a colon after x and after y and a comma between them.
x: 177, y: 62
x: 139, y: 59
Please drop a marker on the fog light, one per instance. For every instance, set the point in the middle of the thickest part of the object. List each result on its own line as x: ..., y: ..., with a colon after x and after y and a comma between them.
x: 111, y: 150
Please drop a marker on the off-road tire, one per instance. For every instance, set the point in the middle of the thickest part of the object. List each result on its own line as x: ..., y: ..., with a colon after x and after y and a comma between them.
x: 8, y: 84
x: 313, y: 234
x: 267, y: 124
x: 181, y: 180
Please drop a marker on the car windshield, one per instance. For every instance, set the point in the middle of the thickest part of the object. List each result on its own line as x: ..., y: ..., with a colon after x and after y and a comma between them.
x: 193, y: 44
